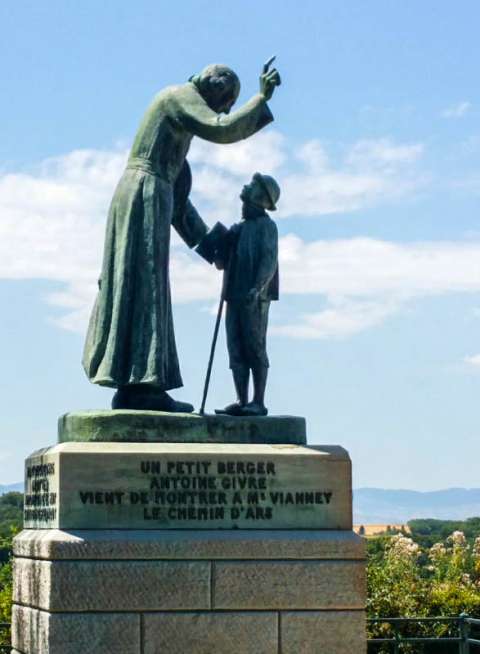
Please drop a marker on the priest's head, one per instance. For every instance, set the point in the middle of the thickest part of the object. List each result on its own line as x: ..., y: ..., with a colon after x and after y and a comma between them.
x: 219, y: 86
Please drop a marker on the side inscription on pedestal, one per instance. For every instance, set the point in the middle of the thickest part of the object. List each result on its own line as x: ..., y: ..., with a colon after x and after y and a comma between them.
x: 41, y: 501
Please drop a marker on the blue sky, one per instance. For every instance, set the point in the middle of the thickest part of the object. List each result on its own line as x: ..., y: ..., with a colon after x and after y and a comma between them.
x: 376, y: 144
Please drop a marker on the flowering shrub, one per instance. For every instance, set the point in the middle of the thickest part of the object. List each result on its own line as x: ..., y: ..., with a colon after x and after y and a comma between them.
x: 395, y: 586
x: 11, y: 516
x: 455, y: 576
x: 406, y: 580
x: 5, y: 586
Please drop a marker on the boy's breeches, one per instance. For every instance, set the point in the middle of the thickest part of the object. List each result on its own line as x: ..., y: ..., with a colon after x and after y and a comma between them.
x: 246, y: 324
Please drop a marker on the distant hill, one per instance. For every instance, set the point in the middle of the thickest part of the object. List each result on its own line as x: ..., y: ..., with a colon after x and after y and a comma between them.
x: 9, y: 488
x: 381, y: 506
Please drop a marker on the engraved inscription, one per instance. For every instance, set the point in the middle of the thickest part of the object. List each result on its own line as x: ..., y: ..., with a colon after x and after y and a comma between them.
x: 40, y: 504
x: 206, y: 491
x: 183, y: 486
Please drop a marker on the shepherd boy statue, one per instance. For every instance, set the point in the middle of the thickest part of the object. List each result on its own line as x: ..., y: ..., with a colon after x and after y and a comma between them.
x: 250, y: 283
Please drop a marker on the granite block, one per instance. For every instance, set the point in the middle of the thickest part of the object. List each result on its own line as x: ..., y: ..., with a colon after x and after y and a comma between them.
x: 211, y: 633
x: 112, y: 586
x: 326, y: 632
x: 54, y: 544
x: 188, y: 486
x: 38, y: 632
x: 248, y: 585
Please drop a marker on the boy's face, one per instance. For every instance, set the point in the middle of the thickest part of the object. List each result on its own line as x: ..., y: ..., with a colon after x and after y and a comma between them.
x: 253, y: 193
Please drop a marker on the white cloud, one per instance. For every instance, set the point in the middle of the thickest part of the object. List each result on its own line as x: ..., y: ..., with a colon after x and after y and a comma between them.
x: 360, y: 283
x: 344, y: 317
x: 372, y: 172
x: 265, y: 151
x: 473, y: 360
x: 366, y: 281
x: 457, y: 110
x: 53, y: 218
x: 52, y: 225
x: 360, y: 267
x: 314, y: 157
x: 382, y: 153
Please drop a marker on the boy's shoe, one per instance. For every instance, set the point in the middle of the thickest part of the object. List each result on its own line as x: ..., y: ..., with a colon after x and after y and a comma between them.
x: 235, y: 409
x: 254, y: 409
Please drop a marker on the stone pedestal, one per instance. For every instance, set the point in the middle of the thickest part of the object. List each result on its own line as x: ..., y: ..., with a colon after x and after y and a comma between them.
x: 204, y: 548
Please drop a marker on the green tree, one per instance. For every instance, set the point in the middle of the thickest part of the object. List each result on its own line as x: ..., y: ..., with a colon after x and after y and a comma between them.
x: 11, y: 513
x: 11, y: 510
x: 427, y: 532
x: 6, y: 585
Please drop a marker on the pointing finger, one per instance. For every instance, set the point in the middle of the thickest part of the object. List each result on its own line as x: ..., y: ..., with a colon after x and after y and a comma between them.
x: 268, y: 63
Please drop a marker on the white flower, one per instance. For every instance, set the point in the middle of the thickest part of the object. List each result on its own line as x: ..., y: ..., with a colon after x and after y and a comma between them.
x: 402, y: 546
x: 437, y: 551
x: 476, y: 546
x: 457, y: 539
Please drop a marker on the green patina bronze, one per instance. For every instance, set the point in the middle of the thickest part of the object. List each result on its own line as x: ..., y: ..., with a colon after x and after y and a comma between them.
x: 250, y: 284
x: 157, y: 427
x: 130, y: 343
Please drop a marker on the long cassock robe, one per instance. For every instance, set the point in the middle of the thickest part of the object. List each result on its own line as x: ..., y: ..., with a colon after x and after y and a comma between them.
x: 130, y: 338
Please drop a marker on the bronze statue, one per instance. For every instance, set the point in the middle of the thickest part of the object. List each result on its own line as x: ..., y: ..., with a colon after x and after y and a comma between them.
x: 250, y: 284
x: 130, y: 343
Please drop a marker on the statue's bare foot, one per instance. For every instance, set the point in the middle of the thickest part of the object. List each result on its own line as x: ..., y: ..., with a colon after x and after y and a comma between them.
x: 254, y: 409
x: 144, y: 397
x: 234, y: 409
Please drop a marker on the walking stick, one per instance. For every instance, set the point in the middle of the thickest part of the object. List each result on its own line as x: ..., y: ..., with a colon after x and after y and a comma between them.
x: 217, y: 327
x: 212, y: 352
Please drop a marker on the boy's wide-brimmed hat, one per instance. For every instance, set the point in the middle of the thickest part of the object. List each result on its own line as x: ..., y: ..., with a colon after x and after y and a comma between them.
x: 271, y: 188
